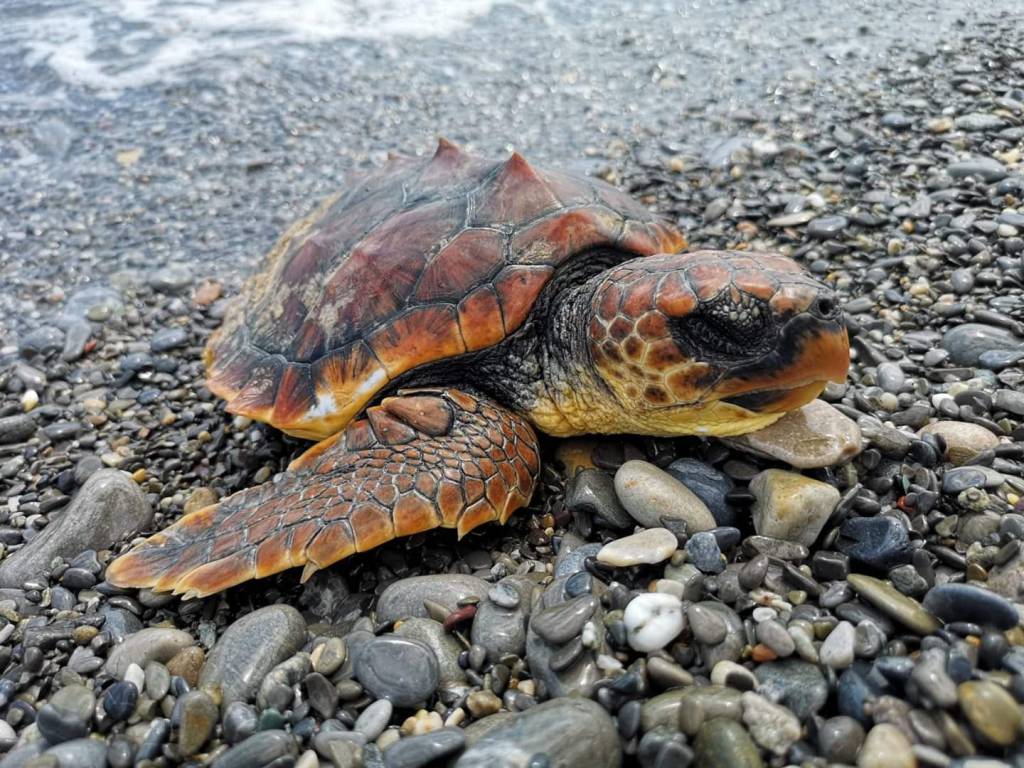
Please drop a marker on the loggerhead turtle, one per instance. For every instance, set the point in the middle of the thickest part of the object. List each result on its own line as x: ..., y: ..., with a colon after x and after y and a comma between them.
x: 476, y: 301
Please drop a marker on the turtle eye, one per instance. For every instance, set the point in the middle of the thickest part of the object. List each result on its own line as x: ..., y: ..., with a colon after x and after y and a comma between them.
x: 725, y: 330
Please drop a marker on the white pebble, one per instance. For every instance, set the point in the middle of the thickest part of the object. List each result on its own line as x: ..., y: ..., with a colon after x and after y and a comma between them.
x: 763, y: 613
x: 136, y: 676
x: 837, y: 649
x: 652, y: 621
x: 29, y: 399
x: 655, y: 545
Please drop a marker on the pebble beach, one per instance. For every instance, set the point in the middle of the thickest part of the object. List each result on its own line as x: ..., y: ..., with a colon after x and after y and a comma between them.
x: 842, y: 588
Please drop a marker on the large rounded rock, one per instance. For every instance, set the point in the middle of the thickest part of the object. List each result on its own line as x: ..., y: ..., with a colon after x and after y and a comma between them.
x: 249, y: 649
x: 150, y: 644
x: 404, y: 599
x: 966, y: 343
x: 108, y: 509
x: 791, y: 507
x: 966, y: 602
x: 560, y: 733
x: 650, y: 494
x: 400, y: 669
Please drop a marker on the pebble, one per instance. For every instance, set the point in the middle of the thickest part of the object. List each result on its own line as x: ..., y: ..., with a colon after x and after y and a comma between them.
x: 66, y: 715
x: 930, y: 678
x: 650, y: 494
x: 904, y: 609
x: 167, y: 339
x: 724, y: 743
x: 146, y: 645
x: 258, y: 751
x: 653, y: 621
x: 840, y: 739
x: 880, y: 542
x: 966, y: 343
x: 542, y: 730
x: 816, y: 435
x: 78, y: 753
x: 16, y: 429
x: 992, y: 711
x: 985, y: 168
x: 797, y: 685
x: 249, y: 649
x: 199, y: 716
x: 837, y: 649
x: 592, y: 491
x: 417, y: 751
x: 886, y: 747
x: 709, y: 485
x: 654, y: 545
x: 773, y: 727
x: 963, y: 440
x: 119, y: 700
x: 404, y: 598
x: 562, y: 622
x: 966, y: 602
x: 374, y: 719
x: 445, y: 647
x: 500, y: 623
x: 827, y: 227
x: 108, y: 509
x: 399, y: 669
x: 790, y: 506
x: 703, y: 551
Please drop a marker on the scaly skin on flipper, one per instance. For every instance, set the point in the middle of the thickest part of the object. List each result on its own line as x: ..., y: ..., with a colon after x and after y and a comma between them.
x: 423, y: 460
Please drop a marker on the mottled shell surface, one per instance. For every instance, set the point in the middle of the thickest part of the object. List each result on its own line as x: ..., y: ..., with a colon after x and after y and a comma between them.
x: 423, y: 260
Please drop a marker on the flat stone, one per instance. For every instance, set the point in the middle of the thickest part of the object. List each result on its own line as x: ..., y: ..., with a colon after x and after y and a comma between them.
x: 827, y: 227
x: 108, y: 509
x: 898, y: 606
x: 650, y: 494
x: 251, y: 647
x: 404, y: 598
x: 653, y: 620
x: 374, y: 719
x: 79, y: 753
x: 984, y: 167
x: 146, y: 645
x: 966, y: 343
x: 562, y: 622
x: 399, y: 669
x: 886, y: 747
x: 724, y: 743
x: 655, y: 545
x: 790, y: 506
x: 262, y: 748
x: 991, y: 710
x: 418, y: 751
x: 837, y: 649
x: 567, y: 731
x: 966, y: 602
x: 67, y: 714
x: 816, y: 435
x: 964, y: 440
x: 686, y: 708
x: 501, y: 629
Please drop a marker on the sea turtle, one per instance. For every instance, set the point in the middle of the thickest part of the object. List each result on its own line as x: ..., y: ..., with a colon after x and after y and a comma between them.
x: 476, y: 301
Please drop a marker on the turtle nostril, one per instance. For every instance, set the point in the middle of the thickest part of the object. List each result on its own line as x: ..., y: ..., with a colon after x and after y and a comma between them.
x: 825, y: 306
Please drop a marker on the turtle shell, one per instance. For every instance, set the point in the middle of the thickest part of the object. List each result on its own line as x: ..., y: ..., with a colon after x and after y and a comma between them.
x: 424, y: 260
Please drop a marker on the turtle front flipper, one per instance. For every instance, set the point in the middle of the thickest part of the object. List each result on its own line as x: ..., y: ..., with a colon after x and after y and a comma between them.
x: 422, y: 460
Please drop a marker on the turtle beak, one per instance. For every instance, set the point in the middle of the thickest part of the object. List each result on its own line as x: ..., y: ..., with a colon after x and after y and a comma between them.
x: 813, y: 348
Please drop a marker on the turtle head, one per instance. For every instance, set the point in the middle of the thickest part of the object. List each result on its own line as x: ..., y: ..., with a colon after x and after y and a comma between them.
x: 713, y: 343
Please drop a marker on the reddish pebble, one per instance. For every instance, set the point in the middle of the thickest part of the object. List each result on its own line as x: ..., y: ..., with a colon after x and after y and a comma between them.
x: 457, y: 617
x: 761, y: 653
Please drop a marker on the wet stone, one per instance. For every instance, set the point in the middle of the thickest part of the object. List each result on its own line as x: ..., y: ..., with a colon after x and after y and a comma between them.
x: 146, y: 645
x: 992, y: 711
x: 542, y: 730
x: 904, y: 609
x: 881, y: 542
x: 653, y: 621
x: 168, y: 339
x: 501, y: 620
x: 702, y: 550
x: 560, y: 623
x: 445, y: 647
x: 199, y: 715
x: 261, y: 749
x: 984, y: 168
x: 827, y: 227
x: 119, y: 700
x: 840, y: 739
x: 960, y: 479
x: 965, y: 343
x: 773, y: 727
x: 250, y: 648
x: 404, y: 598
x: 374, y: 719
x: 886, y: 746
x: 966, y: 602
x: 650, y: 494
x: 417, y: 751
x: 399, y: 669
x: 16, y: 429
x: 963, y: 440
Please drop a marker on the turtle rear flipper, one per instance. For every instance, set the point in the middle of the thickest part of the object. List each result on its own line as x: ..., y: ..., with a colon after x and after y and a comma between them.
x: 422, y: 460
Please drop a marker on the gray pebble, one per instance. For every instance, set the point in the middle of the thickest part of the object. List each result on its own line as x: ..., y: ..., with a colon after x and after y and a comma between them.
x: 400, y: 669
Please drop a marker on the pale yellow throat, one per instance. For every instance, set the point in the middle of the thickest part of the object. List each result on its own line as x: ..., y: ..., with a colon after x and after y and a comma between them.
x: 715, y: 418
